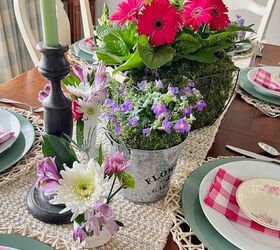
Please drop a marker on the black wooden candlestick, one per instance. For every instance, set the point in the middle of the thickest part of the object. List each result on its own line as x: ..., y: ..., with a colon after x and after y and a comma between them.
x: 57, y: 108
x: 57, y: 121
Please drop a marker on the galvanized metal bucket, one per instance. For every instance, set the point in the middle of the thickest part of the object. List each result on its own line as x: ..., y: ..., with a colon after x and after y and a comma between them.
x: 151, y: 169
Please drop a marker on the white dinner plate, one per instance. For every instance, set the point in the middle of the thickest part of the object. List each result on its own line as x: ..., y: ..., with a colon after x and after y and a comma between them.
x: 8, y: 122
x: 259, y: 199
x: 239, y: 235
x: 261, y: 89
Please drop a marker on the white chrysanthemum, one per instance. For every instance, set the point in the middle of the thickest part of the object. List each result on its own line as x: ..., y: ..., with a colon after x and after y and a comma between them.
x: 80, y: 187
x: 91, y: 111
x: 83, y: 90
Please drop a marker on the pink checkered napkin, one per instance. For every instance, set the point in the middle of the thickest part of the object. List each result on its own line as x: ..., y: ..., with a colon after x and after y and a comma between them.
x: 264, y: 78
x: 4, y: 136
x: 222, y: 197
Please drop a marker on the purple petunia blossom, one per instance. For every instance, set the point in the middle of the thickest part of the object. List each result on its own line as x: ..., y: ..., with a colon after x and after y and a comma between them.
x: 132, y: 122
x: 45, y: 92
x: 101, y: 216
x: 159, y: 108
x: 187, y: 111
x: 146, y: 131
x: 115, y: 164
x: 173, y: 90
x: 167, y: 126
x: 48, y: 175
x: 126, y: 106
x: 182, y: 126
x: 159, y: 84
x: 142, y: 85
x: 200, y: 105
x: 79, y: 234
x: 111, y: 104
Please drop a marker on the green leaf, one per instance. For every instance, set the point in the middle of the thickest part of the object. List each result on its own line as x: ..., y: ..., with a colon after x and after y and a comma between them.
x: 235, y: 28
x: 214, y: 49
x: 155, y: 59
x: 100, y: 155
x: 80, y: 219
x: 201, y: 56
x: 57, y: 147
x: 71, y: 80
x: 218, y: 38
x: 133, y: 62
x: 127, y: 34
x: 108, y: 58
x: 187, y: 44
x: 127, y: 180
x: 80, y: 132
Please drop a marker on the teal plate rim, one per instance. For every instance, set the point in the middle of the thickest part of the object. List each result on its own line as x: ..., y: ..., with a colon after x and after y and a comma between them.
x: 20, y: 147
x: 22, y: 242
x: 192, y: 210
x: 245, y: 84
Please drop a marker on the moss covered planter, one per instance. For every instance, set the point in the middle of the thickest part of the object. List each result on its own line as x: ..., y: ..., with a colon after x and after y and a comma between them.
x: 215, y: 82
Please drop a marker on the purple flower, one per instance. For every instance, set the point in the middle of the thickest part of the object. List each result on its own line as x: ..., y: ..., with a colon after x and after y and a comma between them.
x: 79, y: 234
x: 126, y: 106
x: 115, y: 164
x: 45, y: 92
x: 132, y: 122
x: 159, y: 108
x: 101, y: 76
x: 167, y: 126
x: 98, y: 95
x: 191, y: 83
x: 159, y: 84
x: 142, y: 85
x: 182, y: 126
x: 188, y: 91
x: 173, y: 90
x: 110, y: 103
x: 187, y: 111
x: 101, y: 216
x: 118, y: 127
x: 81, y: 71
x: 146, y: 131
x: 200, y: 105
x: 48, y: 175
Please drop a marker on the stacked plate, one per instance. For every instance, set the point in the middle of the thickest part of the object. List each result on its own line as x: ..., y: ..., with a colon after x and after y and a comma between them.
x: 213, y: 228
x: 85, y: 50
x: 16, y: 146
x: 247, y: 82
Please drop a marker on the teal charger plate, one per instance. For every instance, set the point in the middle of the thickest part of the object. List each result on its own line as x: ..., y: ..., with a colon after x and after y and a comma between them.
x: 193, y: 212
x: 245, y: 84
x: 20, y: 147
x: 22, y: 243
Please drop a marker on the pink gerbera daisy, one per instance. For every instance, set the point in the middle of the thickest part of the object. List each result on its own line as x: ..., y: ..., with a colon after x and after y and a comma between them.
x: 127, y: 11
x: 160, y: 21
x: 197, y: 12
x: 220, y: 19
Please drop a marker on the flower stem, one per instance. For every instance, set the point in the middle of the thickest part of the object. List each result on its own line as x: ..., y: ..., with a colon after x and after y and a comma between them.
x: 113, y: 184
x: 110, y: 197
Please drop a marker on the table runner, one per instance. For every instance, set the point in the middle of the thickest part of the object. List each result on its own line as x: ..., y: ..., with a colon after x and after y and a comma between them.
x: 146, y: 226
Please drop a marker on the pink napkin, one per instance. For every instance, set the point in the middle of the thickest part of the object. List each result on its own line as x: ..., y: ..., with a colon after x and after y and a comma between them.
x: 222, y: 197
x: 264, y: 78
x: 90, y: 42
x: 4, y: 136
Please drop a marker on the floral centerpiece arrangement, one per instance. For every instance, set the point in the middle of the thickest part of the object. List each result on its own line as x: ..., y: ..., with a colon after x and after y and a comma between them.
x: 168, y: 50
x: 182, y: 40
x: 85, y: 188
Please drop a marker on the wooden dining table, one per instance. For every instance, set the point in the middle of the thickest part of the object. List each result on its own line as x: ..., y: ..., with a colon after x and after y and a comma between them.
x: 242, y: 126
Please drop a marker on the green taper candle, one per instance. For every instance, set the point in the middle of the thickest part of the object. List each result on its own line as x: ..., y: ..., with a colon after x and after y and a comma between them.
x: 49, y: 22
